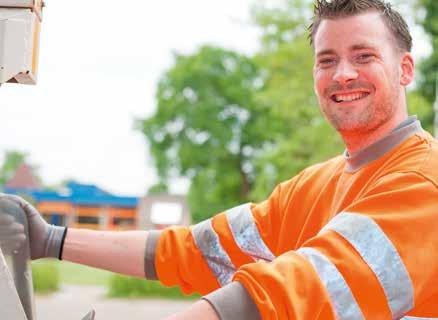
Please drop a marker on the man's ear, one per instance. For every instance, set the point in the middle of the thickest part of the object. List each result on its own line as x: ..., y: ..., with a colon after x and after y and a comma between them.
x: 407, y: 68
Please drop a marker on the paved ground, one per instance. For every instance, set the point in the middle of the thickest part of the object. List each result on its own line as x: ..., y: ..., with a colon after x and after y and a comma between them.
x: 73, y: 302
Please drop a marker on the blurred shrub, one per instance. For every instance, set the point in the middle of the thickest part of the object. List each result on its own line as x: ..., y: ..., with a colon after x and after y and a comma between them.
x: 45, y: 276
x: 124, y: 286
x: 72, y: 273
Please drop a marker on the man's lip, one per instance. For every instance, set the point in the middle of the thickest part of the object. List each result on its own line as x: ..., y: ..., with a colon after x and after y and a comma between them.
x: 349, y: 92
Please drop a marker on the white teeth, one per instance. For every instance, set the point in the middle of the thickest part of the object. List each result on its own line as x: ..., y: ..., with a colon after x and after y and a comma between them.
x: 350, y: 97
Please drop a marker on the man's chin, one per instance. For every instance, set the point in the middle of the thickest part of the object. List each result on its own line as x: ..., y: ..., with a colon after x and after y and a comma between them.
x: 351, y: 122
x: 348, y: 127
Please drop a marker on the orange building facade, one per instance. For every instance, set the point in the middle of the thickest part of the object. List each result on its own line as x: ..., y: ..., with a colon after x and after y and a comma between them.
x: 87, y: 206
x: 90, y: 217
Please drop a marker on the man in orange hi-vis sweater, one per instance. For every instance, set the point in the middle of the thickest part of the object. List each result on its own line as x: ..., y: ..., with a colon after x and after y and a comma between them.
x: 355, y: 237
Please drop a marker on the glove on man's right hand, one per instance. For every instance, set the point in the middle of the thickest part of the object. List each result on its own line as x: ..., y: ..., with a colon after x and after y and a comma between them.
x: 12, y: 234
x: 45, y: 240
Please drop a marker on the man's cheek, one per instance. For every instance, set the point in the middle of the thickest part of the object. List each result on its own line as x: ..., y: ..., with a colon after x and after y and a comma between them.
x: 318, y: 87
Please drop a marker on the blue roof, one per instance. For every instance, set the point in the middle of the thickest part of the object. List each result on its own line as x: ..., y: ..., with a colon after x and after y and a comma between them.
x: 79, y: 194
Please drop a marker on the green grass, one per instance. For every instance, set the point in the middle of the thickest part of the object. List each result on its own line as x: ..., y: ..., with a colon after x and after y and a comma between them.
x: 45, y: 277
x: 72, y: 273
x: 49, y: 274
x: 130, y: 287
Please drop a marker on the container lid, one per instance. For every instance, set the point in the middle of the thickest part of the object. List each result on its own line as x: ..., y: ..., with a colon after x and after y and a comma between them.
x: 35, y: 5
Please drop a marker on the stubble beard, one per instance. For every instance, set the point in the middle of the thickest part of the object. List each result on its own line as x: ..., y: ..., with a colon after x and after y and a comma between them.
x: 375, y: 114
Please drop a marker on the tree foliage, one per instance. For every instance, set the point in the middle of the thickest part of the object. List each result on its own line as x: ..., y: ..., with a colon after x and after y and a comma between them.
x: 418, y: 105
x: 12, y: 160
x: 286, y: 61
x: 236, y: 125
x: 429, y: 67
x: 158, y: 188
x: 208, y: 127
x: 421, y: 95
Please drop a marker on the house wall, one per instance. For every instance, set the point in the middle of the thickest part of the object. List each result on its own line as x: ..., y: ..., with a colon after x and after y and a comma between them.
x: 145, y: 210
x: 88, y: 217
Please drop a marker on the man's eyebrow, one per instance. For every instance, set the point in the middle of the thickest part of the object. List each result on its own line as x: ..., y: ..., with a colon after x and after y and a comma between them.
x: 325, y: 52
x: 361, y: 46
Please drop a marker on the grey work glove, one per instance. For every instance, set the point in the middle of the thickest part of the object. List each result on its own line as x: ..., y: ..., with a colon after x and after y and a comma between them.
x: 45, y: 240
x: 11, y: 234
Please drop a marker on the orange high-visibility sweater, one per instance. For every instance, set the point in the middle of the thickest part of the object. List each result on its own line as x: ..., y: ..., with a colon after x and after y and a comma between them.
x: 355, y: 237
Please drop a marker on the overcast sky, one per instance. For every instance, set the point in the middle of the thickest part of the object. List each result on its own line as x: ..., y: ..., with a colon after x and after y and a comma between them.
x: 99, y: 65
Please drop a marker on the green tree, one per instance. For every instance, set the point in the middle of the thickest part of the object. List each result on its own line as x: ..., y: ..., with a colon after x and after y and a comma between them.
x: 429, y: 67
x: 208, y: 127
x: 286, y: 61
x: 420, y: 106
x: 158, y: 188
x: 12, y: 160
x: 420, y: 100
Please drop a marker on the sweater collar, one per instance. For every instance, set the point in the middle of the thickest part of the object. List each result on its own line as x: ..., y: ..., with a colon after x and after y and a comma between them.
x: 404, y: 130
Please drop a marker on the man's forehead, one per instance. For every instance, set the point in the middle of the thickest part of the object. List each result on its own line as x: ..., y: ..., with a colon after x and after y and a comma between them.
x: 359, y: 30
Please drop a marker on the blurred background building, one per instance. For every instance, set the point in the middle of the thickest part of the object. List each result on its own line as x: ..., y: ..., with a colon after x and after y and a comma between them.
x: 88, y: 206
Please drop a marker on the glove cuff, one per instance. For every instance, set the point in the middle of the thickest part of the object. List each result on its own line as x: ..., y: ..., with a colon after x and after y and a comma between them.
x: 55, y: 242
x: 61, y: 250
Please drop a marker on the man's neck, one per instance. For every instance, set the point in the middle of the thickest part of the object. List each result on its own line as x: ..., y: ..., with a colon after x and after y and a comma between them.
x: 359, y: 141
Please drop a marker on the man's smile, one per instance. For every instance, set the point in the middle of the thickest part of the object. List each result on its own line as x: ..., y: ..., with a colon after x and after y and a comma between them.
x: 340, y: 97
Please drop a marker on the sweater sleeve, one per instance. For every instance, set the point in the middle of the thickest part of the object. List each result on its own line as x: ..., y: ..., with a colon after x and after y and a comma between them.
x: 204, y: 257
x: 377, y: 259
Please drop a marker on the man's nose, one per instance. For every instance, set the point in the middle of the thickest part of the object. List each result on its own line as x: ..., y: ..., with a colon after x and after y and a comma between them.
x: 345, y: 72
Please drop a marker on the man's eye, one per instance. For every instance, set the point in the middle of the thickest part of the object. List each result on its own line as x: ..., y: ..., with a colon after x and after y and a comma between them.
x: 327, y: 62
x: 363, y: 58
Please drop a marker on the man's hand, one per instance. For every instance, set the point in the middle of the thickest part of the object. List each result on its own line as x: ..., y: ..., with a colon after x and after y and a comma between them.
x: 11, y: 234
x: 200, y: 310
x: 45, y: 240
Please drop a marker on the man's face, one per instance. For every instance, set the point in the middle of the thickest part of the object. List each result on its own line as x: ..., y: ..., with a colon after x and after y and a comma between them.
x: 357, y: 72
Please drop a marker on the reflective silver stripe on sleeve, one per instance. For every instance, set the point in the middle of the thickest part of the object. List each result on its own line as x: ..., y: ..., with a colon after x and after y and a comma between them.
x: 381, y: 256
x: 208, y: 243
x: 246, y: 234
x: 342, y: 299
